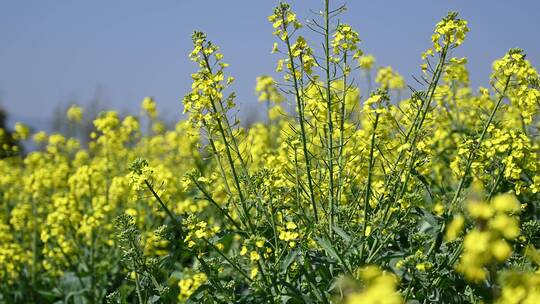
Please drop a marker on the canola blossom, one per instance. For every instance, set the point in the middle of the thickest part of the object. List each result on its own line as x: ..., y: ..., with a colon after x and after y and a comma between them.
x: 406, y: 193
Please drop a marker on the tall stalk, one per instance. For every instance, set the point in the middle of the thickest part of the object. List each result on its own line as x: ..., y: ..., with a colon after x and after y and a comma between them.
x: 342, y: 115
x: 301, y: 119
x: 414, y: 132
x: 329, y: 122
x: 370, y: 174
x: 473, y: 151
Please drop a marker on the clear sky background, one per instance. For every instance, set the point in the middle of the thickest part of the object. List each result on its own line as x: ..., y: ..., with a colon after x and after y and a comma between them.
x: 60, y: 51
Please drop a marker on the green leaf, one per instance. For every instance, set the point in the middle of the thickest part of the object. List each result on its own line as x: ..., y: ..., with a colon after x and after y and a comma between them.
x: 325, y: 244
x: 288, y: 261
x: 342, y: 234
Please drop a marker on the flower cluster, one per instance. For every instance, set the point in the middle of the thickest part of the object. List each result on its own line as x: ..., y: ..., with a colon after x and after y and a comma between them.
x: 148, y: 105
x: 379, y: 287
x: 449, y: 32
x: 282, y: 21
x: 75, y: 113
x: 390, y: 79
x: 189, y: 285
x: 206, y: 98
x: 267, y: 89
x: 198, y: 232
x: 366, y: 62
x: 488, y: 241
x: 521, y: 80
x: 346, y: 40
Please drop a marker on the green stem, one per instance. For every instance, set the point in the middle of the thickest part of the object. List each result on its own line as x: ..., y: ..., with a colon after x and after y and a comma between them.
x: 138, y: 286
x: 414, y: 132
x: 228, y: 260
x: 165, y: 208
x: 472, y: 154
x: 370, y: 174
x: 329, y: 121
x: 301, y: 119
x: 227, y: 128
x: 341, y: 164
x: 218, y: 159
x: 211, y: 200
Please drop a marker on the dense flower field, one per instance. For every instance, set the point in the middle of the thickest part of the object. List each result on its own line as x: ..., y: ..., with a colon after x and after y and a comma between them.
x: 422, y: 193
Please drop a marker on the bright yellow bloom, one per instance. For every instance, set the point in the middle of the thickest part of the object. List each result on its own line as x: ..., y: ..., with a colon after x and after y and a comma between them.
x: 389, y: 79
x: 189, y: 285
x: 21, y: 131
x: 366, y: 62
x: 254, y: 256
x: 148, y: 105
x: 267, y: 89
x: 454, y: 228
x: 380, y: 288
x: 75, y: 113
x: 450, y: 32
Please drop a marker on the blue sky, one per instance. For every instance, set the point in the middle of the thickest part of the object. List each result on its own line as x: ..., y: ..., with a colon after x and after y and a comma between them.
x: 59, y: 51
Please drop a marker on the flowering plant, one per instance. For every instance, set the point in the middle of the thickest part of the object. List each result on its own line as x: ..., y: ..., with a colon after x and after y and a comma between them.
x: 351, y: 197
